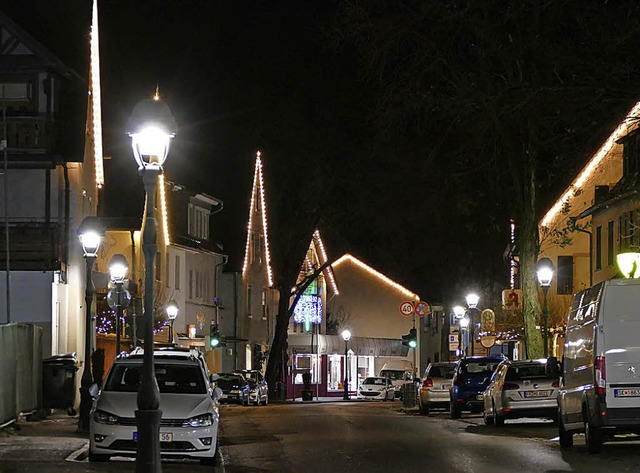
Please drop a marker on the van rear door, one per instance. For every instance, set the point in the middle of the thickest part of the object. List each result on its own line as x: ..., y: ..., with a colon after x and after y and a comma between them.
x: 620, y: 319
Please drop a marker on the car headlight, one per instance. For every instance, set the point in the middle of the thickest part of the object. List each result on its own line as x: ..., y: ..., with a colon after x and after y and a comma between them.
x: 201, y: 421
x: 102, y: 417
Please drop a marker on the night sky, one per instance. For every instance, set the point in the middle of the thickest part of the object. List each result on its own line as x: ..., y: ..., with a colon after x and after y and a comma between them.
x: 243, y: 76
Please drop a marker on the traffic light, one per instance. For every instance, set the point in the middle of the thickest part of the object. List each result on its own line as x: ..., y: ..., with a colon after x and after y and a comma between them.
x: 411, y: 339
x: 214, y: 336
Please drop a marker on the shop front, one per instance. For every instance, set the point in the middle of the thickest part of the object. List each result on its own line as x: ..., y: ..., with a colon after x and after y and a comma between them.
x: 327, y: 358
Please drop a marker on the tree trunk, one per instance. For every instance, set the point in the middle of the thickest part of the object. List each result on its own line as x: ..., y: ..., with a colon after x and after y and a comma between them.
x: 275, y: 374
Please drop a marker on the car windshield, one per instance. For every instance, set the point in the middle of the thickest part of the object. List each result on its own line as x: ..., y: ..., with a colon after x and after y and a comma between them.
x: 171, y: 377
x: 517, y: 373
x: 392, y: 374
x: 230, y: 381
x: 379, y: 381
x: 480, y: 368
x: 441, y: 372
x: 251, y: 376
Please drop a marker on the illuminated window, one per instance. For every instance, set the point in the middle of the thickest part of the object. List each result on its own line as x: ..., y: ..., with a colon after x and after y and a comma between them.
x: 265, y: 307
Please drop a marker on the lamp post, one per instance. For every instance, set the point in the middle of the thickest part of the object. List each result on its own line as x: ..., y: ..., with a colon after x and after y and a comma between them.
x: 346, y: 336
x: 464, y: 323
x: 151, y: 127
x: 472, y: 303
x: 118, y: 267
x: 544, y: 270
x: 90, y: 234
x: 172, y: 313
x: 458, y: 312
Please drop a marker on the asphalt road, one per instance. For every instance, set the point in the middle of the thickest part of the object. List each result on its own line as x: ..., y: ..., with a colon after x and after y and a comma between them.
x: 335, y: 437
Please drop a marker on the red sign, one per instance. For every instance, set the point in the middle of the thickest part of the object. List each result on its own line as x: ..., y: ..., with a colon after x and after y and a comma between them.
x: 422, y: 309
x: 407, y: 308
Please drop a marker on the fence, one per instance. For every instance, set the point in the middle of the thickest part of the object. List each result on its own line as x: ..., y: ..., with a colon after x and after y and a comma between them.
x: 20, y: 369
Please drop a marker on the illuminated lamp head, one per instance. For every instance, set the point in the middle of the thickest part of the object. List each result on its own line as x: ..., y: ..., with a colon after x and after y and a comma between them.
x: 629, y: 264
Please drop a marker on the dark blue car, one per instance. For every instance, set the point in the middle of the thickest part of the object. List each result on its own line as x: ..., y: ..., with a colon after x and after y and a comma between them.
x: 470, y: 379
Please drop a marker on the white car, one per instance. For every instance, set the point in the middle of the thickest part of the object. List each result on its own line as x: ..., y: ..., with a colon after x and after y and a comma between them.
x: 189, y: 405
x: 375, y: 387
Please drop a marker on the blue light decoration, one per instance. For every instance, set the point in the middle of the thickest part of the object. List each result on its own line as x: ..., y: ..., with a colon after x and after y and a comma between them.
x: 308, y: 310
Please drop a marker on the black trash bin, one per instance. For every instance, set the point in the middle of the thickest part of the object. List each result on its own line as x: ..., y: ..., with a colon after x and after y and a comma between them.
x: 59, y: 382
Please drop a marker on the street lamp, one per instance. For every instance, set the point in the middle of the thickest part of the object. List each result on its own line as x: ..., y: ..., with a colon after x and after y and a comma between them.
x: 544, y: 270
x: 458, y: 312
x: 90, y: 233
x: 151, y: 127
x: 172, y: 313
x: 346, y: 336
x: 118, y: 267
x: 472, y: 303
x: 464, y: 323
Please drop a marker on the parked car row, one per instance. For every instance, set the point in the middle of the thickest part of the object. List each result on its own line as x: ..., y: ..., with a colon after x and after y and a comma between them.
x: 498, y: 388
x: 242, y: 387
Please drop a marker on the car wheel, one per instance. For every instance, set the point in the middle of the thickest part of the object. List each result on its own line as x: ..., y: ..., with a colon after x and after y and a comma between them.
x: 498, y: 420
x: 592, y: 436
x: 94, y: 457
x: 424, y: 408
x: 565, y: 438
x: 266, y: 401
x: 454, y: 411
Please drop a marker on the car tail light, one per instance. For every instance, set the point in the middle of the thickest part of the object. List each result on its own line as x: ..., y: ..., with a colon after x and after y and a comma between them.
x: 510, y: 386
x: 427, y: 383
x: 555, y: 384
x: 600, y: 376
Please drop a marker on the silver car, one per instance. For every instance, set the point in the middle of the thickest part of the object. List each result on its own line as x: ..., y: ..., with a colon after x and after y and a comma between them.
x: 520, y: 389
x: 434, y: 390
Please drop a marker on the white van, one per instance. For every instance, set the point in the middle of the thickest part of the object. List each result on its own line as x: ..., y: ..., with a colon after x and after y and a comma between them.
x: 399, y: 372
x: 600, y: 385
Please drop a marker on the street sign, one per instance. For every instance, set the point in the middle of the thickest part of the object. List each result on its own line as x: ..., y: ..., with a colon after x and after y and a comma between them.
x: 453, y: 342
x: 422, y: 309
x: 407, y: 308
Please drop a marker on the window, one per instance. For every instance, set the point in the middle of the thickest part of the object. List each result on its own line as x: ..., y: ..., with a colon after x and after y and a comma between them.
x: 167, y: 266
x: 265, y: 308
x: 249, y: 291
x: 610, y: 240
x: 158, y: 266
x: 630, y: 154
x: 198, y: 223
x: 256, y: 248
x: 198, y: 287
x: 176, y: 273
x: 598, y: 248
x: 190, y: 284
x: 565, y: 275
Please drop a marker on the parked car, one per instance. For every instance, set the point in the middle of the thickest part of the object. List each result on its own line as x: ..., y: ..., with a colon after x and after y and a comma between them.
x: 521, y: 389
x: 189, y: 405
x: 376, y: 387
x: 600, y: 384
x: 234, y: 387
x: 258, y: 387
x: 470, y: 379
x: 436, y: 382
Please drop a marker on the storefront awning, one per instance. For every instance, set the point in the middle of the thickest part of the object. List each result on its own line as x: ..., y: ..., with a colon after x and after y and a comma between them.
x: 334, y: 345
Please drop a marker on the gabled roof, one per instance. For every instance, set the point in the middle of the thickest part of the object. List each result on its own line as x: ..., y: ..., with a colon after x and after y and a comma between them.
x: 258, y: 191
x: 317, y: 243
x: 597, y: 159
x: 403, y: 290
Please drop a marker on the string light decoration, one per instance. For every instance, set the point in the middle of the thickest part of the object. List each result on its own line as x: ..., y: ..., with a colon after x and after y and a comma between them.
x: 258, y: 192
x: 328, y: 271
x: 377, y: 274
x: 308, y: 309
x: 163, y: 210
x: 593, y: 163
x: 95, y: 97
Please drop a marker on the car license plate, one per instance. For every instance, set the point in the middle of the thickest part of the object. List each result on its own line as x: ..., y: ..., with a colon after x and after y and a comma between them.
x: 529, y: 394
x: 626, y: 392
x: 164, y: 436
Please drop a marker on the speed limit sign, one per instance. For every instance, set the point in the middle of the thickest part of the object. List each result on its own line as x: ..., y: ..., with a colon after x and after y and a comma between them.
x: 407, y: 308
